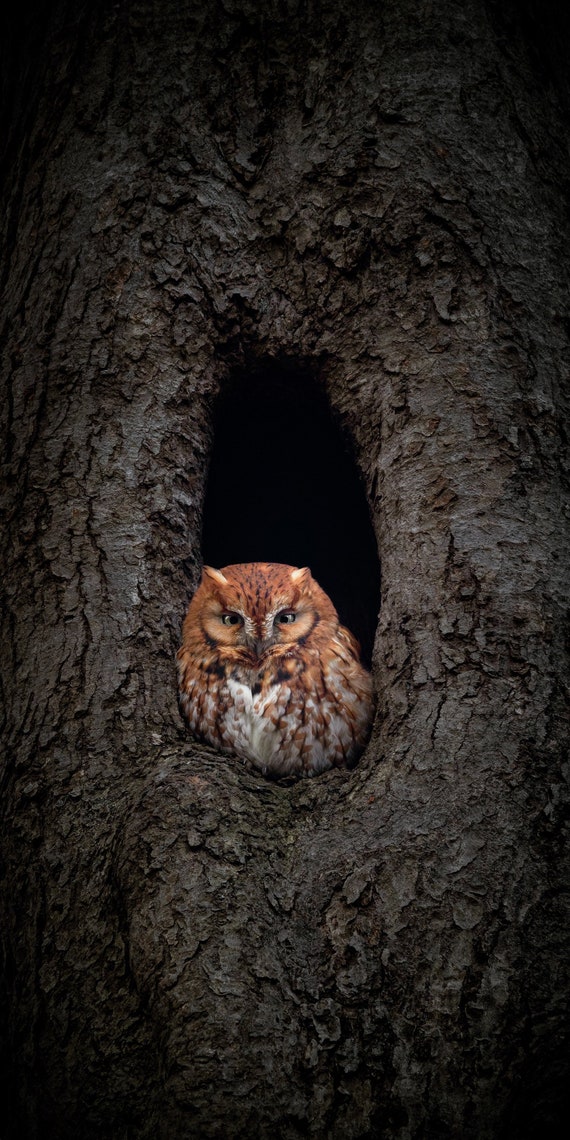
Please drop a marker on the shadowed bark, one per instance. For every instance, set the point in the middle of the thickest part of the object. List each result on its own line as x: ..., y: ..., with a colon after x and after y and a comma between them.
x: 361, y: 209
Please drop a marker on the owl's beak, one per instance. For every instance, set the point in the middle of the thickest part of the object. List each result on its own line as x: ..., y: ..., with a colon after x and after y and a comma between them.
x: 258, y: 646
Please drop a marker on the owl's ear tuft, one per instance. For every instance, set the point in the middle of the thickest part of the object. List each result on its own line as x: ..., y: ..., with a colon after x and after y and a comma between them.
x: 301, y: 576
x: 214, y: 575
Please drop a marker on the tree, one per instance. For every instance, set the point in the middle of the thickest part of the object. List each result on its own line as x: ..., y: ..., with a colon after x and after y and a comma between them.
x: 349, y: 220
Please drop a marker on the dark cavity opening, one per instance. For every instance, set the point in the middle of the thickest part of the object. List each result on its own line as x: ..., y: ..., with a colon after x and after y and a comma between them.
x: 283, y: 487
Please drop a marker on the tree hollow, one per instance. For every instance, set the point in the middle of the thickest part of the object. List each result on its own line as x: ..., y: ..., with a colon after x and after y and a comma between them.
x: 283, y: 486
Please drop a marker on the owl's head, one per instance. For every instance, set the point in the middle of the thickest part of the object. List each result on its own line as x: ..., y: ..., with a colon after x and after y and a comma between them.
x: 260, y: 607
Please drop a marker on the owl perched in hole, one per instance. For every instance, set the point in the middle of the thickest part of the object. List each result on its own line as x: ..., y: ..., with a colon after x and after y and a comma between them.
x: 267, y: 671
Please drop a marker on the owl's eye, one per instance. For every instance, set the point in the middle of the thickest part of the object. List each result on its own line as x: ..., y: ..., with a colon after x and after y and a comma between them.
x: 286, y: 617
x: 231, y: 618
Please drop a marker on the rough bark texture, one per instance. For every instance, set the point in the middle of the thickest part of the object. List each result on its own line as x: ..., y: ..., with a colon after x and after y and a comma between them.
x: 371, y: 191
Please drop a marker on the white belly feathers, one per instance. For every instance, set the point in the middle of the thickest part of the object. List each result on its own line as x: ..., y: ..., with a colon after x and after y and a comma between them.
x: 248, y: 729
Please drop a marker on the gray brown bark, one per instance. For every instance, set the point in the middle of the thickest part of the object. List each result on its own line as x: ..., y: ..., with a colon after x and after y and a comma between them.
x: 373, y: 191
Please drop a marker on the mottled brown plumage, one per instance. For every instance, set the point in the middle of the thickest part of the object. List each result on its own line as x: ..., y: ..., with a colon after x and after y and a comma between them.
x: 267, y: 671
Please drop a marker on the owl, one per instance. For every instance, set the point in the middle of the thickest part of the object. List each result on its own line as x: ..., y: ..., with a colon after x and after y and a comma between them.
x: 267, y: 672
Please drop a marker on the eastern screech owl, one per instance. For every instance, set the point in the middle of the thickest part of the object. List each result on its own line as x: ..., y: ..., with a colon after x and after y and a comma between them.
x: 267, y: 671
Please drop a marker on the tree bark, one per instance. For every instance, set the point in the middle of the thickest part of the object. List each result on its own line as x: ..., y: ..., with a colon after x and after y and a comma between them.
x: 374, y: 193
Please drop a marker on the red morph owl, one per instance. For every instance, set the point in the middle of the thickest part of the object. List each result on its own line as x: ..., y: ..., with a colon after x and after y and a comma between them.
x: 267, y: 672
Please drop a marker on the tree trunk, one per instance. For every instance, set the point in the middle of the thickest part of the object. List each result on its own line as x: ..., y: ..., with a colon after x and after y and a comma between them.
x: 364, y: 201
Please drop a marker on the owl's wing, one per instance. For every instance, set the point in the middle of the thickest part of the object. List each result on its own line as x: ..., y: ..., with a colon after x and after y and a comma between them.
x: 349, y: 642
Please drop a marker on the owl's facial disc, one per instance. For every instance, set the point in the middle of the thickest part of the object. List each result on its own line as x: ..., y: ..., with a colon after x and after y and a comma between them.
x: 238, y: 615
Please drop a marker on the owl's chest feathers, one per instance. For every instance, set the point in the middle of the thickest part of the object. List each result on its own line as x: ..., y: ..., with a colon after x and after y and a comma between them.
x: 257, y: 714
x: 249, y: 724
x: 259, y: 700
x: 286, y: 714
